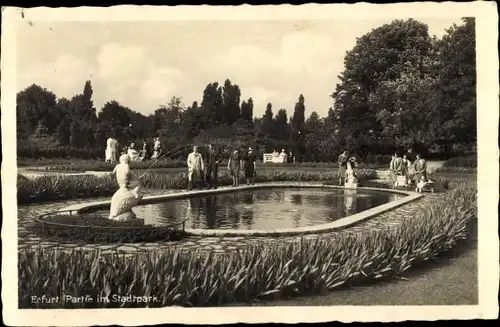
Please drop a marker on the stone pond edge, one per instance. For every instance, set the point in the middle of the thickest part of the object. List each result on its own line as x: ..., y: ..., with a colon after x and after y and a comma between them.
x: 317, y: 229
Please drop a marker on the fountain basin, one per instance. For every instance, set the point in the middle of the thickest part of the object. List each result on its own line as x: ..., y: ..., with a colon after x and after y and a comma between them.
x: 400, y: 197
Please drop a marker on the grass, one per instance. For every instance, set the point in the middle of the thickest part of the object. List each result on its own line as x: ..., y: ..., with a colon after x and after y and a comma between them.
x: 60, y: 187
x: 262, y: 271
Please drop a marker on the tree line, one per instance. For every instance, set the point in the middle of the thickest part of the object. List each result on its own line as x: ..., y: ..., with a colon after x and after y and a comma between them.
x: 400, y: 88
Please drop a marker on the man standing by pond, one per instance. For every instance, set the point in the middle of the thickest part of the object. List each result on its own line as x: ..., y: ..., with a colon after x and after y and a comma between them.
x: 195, y: 167
x: 342, y: 167
x: 249, y: 166
x: 212, y: 166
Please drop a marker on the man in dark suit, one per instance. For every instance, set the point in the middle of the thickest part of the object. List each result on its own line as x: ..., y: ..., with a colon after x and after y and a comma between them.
x: 212, y: 167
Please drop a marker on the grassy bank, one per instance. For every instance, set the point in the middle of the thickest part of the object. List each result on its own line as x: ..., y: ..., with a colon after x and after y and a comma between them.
x: 60, y: 187
x: 260, y: 271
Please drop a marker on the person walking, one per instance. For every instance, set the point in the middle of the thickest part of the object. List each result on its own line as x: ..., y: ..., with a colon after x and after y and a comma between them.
x: 342, y: 167
x: 249, y: 166
x: 234, y: 166
x: 195, y: 168
x: 212, y: 167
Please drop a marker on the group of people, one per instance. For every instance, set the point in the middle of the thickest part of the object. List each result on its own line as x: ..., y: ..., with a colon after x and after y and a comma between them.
x: 112, y: 152
x: 200, y: 174
x: 282, y: 157
x: 412, y: 173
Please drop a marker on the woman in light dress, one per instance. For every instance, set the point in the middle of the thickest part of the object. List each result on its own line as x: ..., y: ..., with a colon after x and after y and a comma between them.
x: 283, y: 156
x: 234, y: 167
x: 111, y: 150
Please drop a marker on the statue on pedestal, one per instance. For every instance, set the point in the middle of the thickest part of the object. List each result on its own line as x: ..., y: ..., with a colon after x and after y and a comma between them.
x: 124, y: 198
x: 351, y: 180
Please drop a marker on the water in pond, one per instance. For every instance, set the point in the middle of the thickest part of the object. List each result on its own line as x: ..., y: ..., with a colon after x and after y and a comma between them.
x: 264, y: 209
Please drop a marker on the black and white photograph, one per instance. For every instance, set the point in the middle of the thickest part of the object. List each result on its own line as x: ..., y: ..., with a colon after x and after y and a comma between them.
x: 291, y: 163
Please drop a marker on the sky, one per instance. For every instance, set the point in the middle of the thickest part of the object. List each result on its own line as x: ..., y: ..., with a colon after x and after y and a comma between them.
x: 143, y: 64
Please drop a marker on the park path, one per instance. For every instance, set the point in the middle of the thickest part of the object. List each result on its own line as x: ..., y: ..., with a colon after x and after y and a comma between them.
x: 32, y: 172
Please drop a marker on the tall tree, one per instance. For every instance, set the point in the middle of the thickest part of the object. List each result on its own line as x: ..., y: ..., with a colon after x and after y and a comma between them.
x: 454, y: 119
x: 299, y: 113
x: 231, y: 103
x: 266, y: 126
x: 281, y: 125
x: 212, y: 104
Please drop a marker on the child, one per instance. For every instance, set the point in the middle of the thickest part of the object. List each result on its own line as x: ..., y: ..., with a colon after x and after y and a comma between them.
x: 423, y: 184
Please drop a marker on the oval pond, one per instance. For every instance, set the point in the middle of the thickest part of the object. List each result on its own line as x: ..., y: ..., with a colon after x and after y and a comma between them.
x: 263, y: 209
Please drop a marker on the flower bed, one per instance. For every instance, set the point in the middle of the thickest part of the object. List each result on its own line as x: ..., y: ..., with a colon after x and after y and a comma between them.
x: 93, y: 228
x: 46, y: 188
x: 278, y: 270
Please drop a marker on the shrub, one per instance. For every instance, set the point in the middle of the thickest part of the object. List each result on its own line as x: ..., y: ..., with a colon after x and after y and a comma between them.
x: 35, y: 152
x: 60, y: 187
x: 192, y: 278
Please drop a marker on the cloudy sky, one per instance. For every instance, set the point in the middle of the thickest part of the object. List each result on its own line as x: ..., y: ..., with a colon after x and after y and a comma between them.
x: 143, y: 64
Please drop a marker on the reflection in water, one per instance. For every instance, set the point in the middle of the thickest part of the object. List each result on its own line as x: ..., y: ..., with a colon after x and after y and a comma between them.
x: 247, y: 211
x: 349, y: 201
x: 265, y: 209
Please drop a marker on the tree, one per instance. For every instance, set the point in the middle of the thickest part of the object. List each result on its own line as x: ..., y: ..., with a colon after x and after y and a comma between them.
x: 298, y: 118
x: 33, y: 105
x: 281, y: 125
x: 114, y: 117
x: 64, y: 131
x: 389, y: 54
x: 454, y: 119
x: 247, y: 110
x: 212, y: 104
x: 231, y: 103
x: 267, y: 123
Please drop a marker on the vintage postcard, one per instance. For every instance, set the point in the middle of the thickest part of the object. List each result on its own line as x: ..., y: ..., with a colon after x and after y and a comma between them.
x: 257, y: 164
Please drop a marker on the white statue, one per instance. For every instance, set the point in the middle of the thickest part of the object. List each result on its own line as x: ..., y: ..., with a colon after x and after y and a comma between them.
x: 350, y: 180
x: 125, y: 198
x: 156, y: 148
